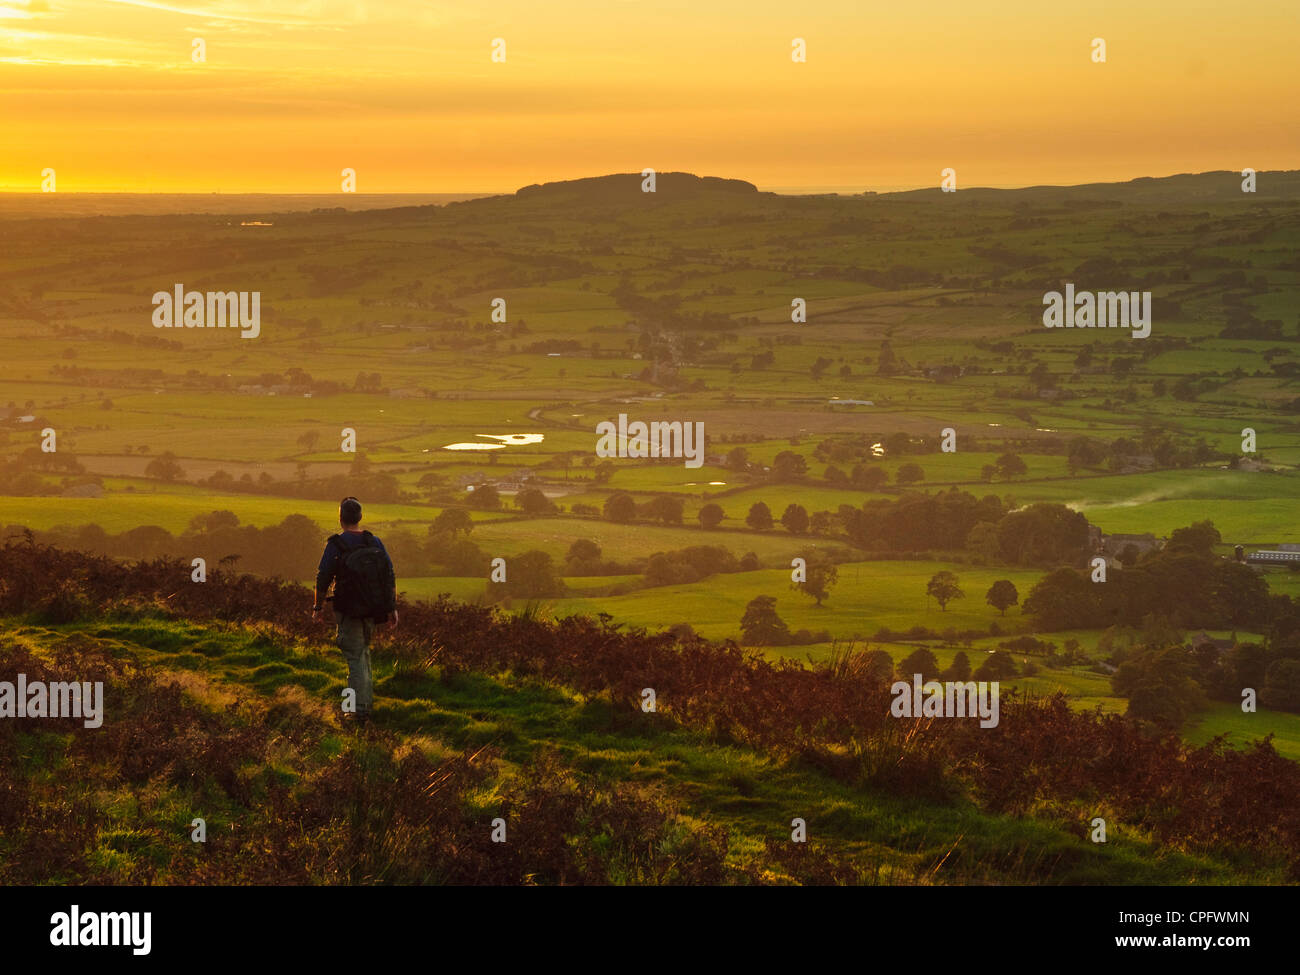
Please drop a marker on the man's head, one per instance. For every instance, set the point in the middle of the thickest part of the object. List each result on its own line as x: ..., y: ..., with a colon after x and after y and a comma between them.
x: 349, y: 512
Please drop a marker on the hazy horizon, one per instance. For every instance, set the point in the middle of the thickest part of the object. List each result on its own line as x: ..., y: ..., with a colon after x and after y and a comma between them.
x: 784, y: 190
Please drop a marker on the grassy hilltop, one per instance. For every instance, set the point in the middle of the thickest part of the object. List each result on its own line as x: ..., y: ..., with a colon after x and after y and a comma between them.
x: 486, y: 716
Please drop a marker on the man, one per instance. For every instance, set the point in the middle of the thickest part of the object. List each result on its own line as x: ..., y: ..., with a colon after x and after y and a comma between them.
x: 358, y: 567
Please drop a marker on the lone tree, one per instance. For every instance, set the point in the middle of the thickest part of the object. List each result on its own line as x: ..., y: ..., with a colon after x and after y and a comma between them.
x: 530, y: 575
x: 760, y: 626
x: 998, y: 665
x: 533, y: 502
x: 921, y: 661
x: 789, y: 466
x: 1010, y: 465
x: 1001, y: 595
x: 1160, y: 685
x: 583, y: 550
x: 484, y: 496
x: 821, y: 577
x: 431, y: 482
x: 1199, y: 538
x: 759, y: 517
x: 711, y: 515
x: 621, y: 508
x: 910, y: 474
x: 164, y: 467
x: 452, y: 521
x: 664, y: 508
x: 868, y: 478
x: 960, y: 669
x: 943, y: 587
x: 879, y: 666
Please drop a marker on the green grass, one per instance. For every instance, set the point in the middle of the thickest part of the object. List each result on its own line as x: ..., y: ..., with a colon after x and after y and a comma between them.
x: 172, y: 506
x: 1242, y: 728
x: 751, y: 794
x: 868, y: 596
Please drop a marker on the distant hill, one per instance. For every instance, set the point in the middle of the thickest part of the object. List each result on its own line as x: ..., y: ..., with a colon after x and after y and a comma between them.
x: 1183, y: 188
x: 626, y: 188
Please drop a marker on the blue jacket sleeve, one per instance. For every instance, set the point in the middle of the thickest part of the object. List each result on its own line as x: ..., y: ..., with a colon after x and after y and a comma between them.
x: 390, y: 562
x: 325, y: 572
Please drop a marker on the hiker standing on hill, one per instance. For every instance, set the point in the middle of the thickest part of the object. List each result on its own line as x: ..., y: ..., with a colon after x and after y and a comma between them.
x: 365, y: 593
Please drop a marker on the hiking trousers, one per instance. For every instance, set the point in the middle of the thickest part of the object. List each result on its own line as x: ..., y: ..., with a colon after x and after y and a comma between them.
x: 353, y: 638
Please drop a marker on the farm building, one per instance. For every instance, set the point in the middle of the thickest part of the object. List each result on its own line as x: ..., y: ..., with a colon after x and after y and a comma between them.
x: 1204, y: 639
x: 1113, y: 546
x: 1273, y: 557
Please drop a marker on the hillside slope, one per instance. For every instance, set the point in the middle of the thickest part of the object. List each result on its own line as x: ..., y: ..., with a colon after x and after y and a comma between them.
x: 236, y: 722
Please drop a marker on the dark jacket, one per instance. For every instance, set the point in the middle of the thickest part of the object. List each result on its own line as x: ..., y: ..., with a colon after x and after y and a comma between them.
x: 335, y: 548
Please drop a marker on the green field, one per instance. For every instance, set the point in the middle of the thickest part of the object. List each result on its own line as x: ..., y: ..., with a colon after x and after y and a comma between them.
x: 869, y: 595
x: 173, y: 507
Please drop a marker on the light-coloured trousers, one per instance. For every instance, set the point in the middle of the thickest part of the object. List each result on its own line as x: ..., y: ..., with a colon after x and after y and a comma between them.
x: 353, y: 638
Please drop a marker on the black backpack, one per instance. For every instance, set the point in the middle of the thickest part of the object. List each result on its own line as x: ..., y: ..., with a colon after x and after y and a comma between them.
x: 364, y: 585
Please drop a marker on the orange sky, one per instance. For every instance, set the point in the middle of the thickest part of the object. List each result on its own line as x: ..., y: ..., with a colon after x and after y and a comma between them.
x: 404, y: 91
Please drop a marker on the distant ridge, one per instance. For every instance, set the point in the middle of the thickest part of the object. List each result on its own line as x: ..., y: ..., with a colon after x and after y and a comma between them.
x: 626, y: 187
x: 1218, y: 185
x: 620, y: 190
x: 20, y: 205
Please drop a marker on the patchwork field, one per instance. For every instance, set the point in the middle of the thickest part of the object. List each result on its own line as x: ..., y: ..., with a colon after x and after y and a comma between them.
x: 920, y: 431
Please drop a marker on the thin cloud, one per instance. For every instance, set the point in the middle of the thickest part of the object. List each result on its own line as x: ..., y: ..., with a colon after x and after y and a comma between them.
x: 241, y: 15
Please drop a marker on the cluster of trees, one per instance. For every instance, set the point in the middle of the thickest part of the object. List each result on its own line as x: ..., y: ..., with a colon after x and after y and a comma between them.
x: 1040, y: 534
x: 916, y: 521
x: 26, y: 475
x: 528, y: 575
x: 794, y: 519
x: 449, y: 548
x: 694, y: 563
x: 584, y: 558
x: 1191, y: 586
x: 290, y: 550
x: 1164, y: 450
x: 1167, y: 680
x: 664, y: 508
x: 790, y: 466
x: 663, y: 312
x: 998, y: 665
x: 361, y: 480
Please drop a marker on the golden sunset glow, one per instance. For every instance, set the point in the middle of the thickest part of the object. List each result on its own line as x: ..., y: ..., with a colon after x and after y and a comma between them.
x: 106, y: 93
